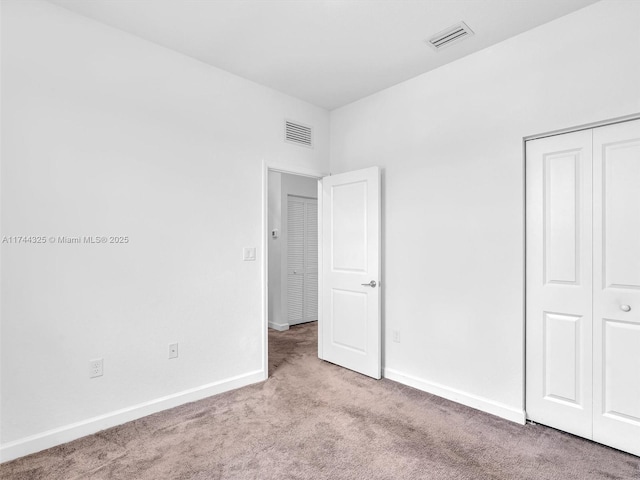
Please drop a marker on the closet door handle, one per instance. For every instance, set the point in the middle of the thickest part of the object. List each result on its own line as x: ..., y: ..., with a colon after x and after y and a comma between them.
x: 371, y: 284
x: 625, y: 308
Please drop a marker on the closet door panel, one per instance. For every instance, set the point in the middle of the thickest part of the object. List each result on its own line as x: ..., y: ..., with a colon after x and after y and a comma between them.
x: 295, y: 260
x: 311, y: 261
x: 616, y: 286
x: 559, y: 322
x: 302, y: 259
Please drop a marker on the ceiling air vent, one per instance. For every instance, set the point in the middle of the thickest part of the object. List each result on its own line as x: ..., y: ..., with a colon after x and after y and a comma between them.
x: 298, y: 133
x: 451, y: 35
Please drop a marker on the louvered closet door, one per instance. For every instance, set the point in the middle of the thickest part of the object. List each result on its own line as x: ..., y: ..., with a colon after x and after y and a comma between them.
x: 295, y: 260
x: 311, y: 261
x: 302, y: 260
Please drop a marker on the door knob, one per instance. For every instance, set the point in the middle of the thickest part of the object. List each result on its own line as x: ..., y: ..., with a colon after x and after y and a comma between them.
x: 371, y: 284
x: 625, y: 308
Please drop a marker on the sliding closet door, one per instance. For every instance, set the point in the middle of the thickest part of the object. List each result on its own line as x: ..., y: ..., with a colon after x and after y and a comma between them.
x: 616, y: 286
x: 559, y: 264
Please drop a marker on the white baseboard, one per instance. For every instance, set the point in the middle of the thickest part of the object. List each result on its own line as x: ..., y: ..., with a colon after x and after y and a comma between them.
x: 469, y: 399
x: 281, y: 327
x: 67, y: 433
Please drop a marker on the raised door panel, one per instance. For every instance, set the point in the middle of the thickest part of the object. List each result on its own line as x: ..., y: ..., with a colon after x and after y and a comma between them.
x: 621, y: 375
x: 561, y: 223
x: 348, y: 262
x: 348, y: 239
x: 620, y: 170
x: 348, y: 320
x: 563, y: 358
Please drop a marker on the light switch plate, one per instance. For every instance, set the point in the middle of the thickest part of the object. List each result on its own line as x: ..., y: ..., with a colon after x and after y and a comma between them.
x: 249, y: 254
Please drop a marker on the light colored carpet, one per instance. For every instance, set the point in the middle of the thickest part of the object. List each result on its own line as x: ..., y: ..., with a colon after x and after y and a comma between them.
x: 313, y: 420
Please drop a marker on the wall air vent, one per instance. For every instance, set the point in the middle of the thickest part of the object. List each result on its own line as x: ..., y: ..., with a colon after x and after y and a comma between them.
x: 451, y: 35
x: 297, y: 133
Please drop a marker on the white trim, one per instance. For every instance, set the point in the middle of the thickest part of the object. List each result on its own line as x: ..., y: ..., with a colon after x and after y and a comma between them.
x: 320, y: 268
x: 264, y: 265
x: 281, y: 327
x: 67, y: 433
x: 469, y: 399
x: 586, y: 126
x: 523, y: 339
x: 293, y: 170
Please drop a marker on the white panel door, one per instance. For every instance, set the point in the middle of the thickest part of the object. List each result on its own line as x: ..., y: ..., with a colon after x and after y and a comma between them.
x: 559, y: 264
x: 350, y: 314
x: 616, y: 286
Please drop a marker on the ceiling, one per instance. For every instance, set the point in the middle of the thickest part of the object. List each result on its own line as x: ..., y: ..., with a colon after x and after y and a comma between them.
x: 327, y: 52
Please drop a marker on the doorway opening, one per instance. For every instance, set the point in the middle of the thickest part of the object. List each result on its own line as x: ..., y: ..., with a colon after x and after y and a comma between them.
x: 291, y: 254
x: 348, y: 330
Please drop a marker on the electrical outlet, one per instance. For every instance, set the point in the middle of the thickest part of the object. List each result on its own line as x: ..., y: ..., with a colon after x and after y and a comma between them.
x: 95, y: 368
x: 173, y: 350
x: 396, y: 336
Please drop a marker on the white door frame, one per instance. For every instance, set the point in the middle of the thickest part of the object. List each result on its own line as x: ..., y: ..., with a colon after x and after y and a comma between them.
x: 292, y: 170
x: 587, y: 126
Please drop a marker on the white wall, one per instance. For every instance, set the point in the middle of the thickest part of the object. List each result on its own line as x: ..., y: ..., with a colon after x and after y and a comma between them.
x: 450, y: 143
x: 281, y: 185
x: 106, y: 134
